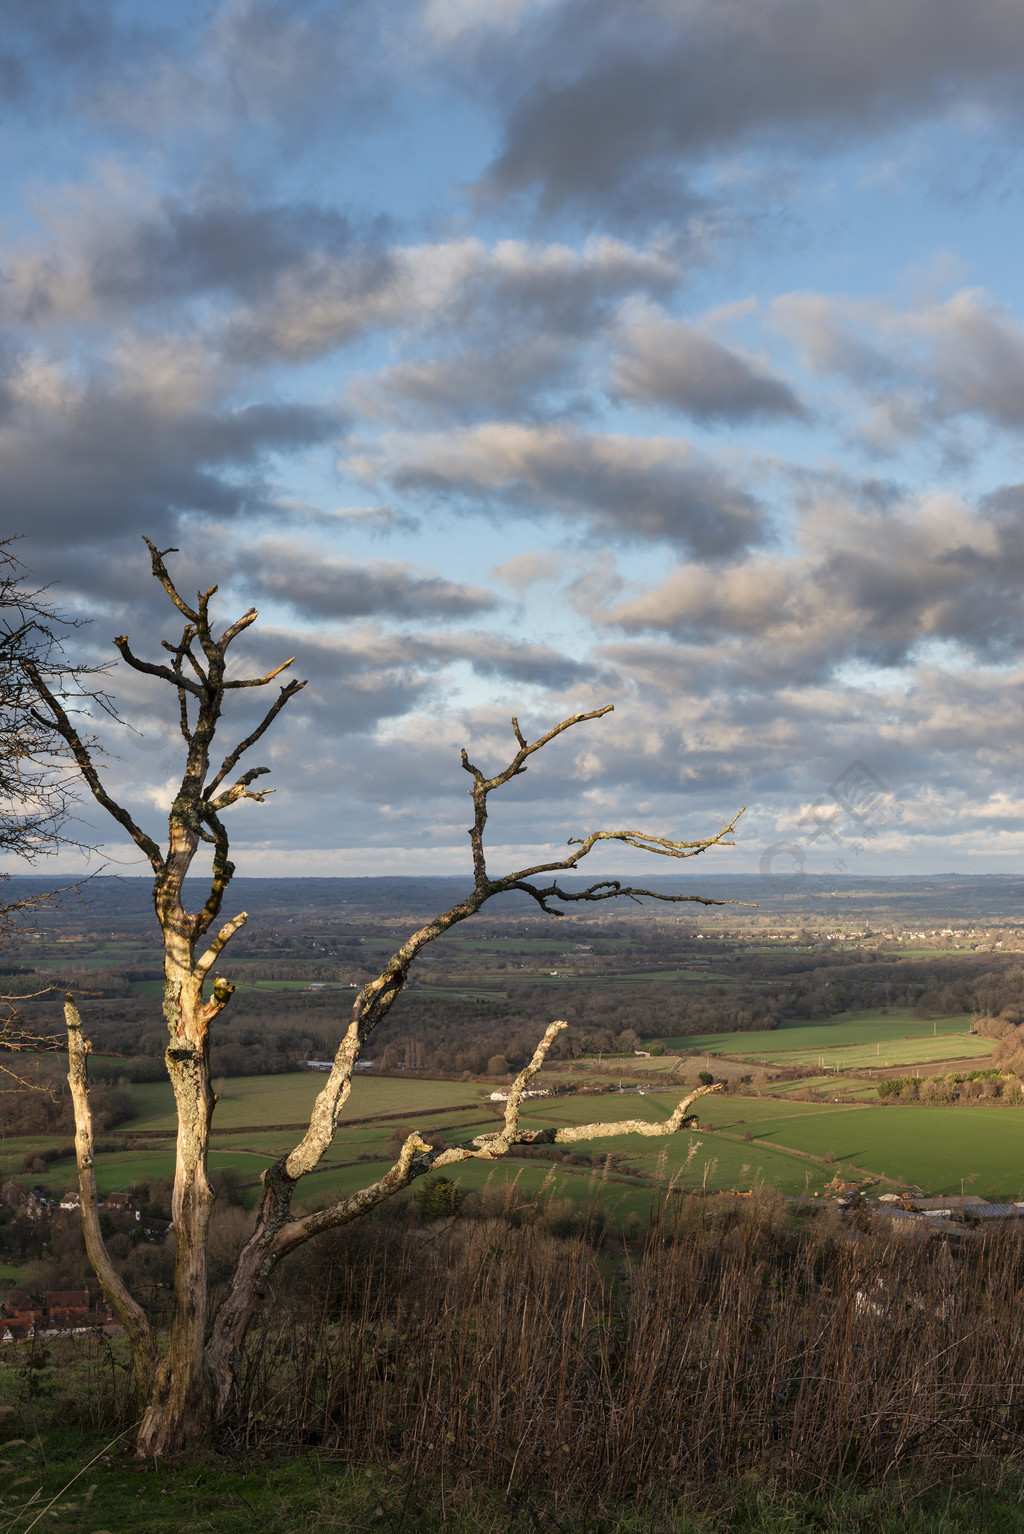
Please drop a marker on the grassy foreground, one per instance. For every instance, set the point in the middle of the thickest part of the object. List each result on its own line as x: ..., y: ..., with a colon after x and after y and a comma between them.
x: 738, y: 1366
x: 59, y: 1482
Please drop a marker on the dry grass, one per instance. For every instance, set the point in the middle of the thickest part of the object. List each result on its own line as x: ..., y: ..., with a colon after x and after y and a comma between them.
x: 727, y: 1345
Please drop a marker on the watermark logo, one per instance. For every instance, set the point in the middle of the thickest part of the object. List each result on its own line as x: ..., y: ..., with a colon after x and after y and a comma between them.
x: 857, y: 794
x: 859, y: 791
x: 151, y: 729
x: 779, y: 852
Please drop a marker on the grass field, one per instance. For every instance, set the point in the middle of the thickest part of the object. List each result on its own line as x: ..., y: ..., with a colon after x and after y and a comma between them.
x: 862, y: 1039
x: 876, y: 1056
x: 936, y: 1148
x: 244, y: 1100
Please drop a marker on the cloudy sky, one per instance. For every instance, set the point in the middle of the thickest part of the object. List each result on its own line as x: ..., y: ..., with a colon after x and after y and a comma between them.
x: 522, y: 356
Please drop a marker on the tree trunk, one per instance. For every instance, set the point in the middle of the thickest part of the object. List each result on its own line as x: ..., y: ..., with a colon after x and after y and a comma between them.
x: 180, y: 1409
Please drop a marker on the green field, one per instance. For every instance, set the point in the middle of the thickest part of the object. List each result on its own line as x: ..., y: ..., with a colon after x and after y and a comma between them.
x: 878, y: 1056
x: 245, y: 1100
x: 937, y: 1148
x: 854, y: 1040
x: 934, y: 1148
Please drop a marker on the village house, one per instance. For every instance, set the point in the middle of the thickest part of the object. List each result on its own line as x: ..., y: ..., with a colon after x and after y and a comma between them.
x: 123, y: 1204
x: 24, y: 1316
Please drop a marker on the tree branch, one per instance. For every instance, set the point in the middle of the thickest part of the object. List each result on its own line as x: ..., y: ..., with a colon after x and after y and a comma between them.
x: 241, y: 790
x: 417, y: 1158
x: 220, y: 942
x: 611, y: 889
x: 165, y: 673
x: 86, y: 767
x: 129, y: 1312
x: 250, y: 740
x: 163, y: 576
x: 261, y: 681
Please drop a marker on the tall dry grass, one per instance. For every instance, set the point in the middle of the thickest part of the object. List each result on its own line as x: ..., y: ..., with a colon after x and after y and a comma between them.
x: 726, y: 1344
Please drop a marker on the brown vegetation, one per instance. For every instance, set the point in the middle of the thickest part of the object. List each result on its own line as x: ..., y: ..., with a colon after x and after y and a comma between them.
x: 726, y: 1342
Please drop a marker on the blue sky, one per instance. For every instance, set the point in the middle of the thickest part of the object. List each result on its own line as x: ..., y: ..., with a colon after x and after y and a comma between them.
x: 522, y: 357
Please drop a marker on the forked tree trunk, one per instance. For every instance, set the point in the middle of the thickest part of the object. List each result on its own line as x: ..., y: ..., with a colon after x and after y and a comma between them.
x: 179, y: 1413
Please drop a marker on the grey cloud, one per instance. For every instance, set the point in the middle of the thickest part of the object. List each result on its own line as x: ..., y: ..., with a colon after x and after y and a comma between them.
x: 376, y: 650
x: 474, y: 383
x: 62, y: 37
x: 873, y: 586
x: 676, y: 756
x: 367, y: 674
x: 293, y: 67
x: 104, y: 260
x: 668, y: 362
x: 561, y: 289
x: 280, y: 69
x: 533, y: 665
x: 526, y: 317
x: 918, y: 367
x: 134, y: 450
x: 378, y: 520
x: 316, y: 305
x: 838, y: 336
x: 604, y: 103
x: 790, y: 741
x: 325, y: 301
x: 217, y: 245
x: 322, y: 585
x: 626, y: 487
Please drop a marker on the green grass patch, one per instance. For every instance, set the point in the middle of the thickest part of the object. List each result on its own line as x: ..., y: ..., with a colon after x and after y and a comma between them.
x: 288, y: 1099
x: 861, y: 1037
x: 934, y: 1147
x: 117, y: 1170
x: 84, y: 1489
x: 146, y: 987
x: 859, y: 1057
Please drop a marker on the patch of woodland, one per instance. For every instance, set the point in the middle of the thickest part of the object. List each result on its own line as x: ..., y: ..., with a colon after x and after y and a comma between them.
x: 957, y: 1087
x: 40, y: 1102
x: 1006, y: 1027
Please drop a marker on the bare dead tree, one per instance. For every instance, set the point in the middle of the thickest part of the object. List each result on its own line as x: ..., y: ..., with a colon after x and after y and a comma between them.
x: 36, y: 789
x: 37, y: 786
x: 191, y: 1385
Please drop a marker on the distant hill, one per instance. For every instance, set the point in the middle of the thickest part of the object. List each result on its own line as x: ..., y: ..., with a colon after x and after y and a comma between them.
x: 878, y: 900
